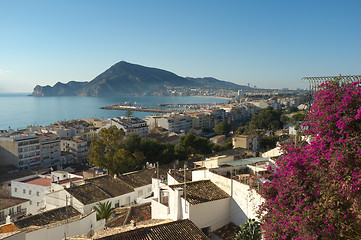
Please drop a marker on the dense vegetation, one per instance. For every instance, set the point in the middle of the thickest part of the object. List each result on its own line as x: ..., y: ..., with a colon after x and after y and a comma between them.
x: 119, y: 154
x: 315, y: 191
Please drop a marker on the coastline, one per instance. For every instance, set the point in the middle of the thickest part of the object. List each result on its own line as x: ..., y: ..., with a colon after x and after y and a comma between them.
x: 20, y: 111
x: 211, y: 97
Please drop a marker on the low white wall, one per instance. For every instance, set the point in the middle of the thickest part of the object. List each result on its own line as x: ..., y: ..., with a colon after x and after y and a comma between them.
x: 81, y: 226
x: 244, y: 202
x: 159, y: 211
x: 214, y: 214
x: 58, y: 199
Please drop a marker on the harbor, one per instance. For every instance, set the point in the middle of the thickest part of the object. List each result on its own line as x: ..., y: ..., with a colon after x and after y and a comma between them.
x: 139, y: 109
x: 162, y: 108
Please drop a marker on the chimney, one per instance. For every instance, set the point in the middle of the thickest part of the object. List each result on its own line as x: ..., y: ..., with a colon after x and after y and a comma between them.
x: 133, y: 223
x: 177, y: 211
x: 8, y: 219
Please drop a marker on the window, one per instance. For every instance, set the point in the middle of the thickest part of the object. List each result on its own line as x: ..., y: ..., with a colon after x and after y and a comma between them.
x: 140, y: 193
x: 2, y: 214
x: 29, y: 192
x: 37, y: 204
x: 24, y: 191
x: 37, y: 194
x: 116, y: 205
x: 30, y: 202
x: 18, y: 209
x: 11, y: 211
x: 16, y: 190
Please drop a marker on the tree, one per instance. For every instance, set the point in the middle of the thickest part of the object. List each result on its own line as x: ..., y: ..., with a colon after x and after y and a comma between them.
x: 103, y: 150
x: 251, y: 230
x: 284, y: 119
x: 315, y: 192
x: 193, y: 145
x: 266, y: 119
x: 222, y: 128
x: 269, y: 142
x: 104, y: 210
x: 125, y: 161
x: 298, y: 117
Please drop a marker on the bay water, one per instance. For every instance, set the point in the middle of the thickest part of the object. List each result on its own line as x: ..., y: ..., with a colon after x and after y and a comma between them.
x: 17, y: 110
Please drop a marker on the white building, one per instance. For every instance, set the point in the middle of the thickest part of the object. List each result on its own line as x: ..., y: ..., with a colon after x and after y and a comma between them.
x: 124, y: 190
x: 244, y: 201
x: 50, y: 153
x: 13, y: 207
x: 175, y: 123
x: 56, y: 224
x: 202, y: 202
x: 214, y: 162
x: 76, y: 146
x: 33, y: 188
x: 130, y: 125
x: 36, y: 187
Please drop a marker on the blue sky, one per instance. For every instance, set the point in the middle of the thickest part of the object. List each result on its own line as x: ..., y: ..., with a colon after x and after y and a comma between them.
x: 270, y: 44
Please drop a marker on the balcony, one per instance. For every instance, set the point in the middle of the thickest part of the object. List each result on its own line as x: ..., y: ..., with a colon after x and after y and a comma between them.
x: 14, y: 216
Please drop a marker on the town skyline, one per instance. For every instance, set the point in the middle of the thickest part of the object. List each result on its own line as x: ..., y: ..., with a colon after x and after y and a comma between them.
x: 269, y: 45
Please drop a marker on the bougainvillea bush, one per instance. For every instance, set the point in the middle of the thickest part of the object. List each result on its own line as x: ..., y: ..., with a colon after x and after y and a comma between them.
x: 316, y: 190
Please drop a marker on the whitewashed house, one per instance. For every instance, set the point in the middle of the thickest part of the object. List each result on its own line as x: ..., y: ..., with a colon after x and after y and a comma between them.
x: 33, y: 188
x: 55, y: 225
x: 202, y: 202
x: 13, y: 207
x: 127, y: 189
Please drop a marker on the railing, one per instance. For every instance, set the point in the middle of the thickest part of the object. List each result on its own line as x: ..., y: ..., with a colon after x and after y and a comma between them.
x: 14, y: 215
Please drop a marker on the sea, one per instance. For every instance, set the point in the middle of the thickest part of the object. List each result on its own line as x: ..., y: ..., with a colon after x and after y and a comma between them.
x: 18, y: 110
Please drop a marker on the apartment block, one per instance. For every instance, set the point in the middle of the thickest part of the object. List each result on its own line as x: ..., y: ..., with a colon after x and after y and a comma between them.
x: 50, y: 153
x: 20, y: 150
x: 130, y: 125
x: 176, y: 123
x: 77, y: 147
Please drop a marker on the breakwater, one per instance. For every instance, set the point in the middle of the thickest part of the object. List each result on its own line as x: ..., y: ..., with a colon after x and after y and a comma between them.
x: 139, y: 109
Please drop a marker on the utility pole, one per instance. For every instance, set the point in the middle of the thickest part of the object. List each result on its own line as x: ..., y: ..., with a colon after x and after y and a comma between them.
x: 185, y: 188
x: 157, y: 170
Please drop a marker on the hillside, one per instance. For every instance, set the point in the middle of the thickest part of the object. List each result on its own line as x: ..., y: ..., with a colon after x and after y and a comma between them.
x: 124, y: 79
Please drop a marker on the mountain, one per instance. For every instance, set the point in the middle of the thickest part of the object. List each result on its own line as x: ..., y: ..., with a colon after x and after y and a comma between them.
x: 125, y: 78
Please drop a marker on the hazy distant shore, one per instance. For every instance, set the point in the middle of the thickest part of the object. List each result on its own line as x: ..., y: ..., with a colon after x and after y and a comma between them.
x: 211, y: 97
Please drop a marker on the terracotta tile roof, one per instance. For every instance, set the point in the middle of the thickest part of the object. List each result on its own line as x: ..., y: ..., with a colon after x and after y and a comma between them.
x: 181, y: 229
x: 68, y: 180
x: 8, y: 201
x: 123, y: 216
x: 227, y: 232
x: 143, y: 177
x: 46, y: 182
x: 47, y: 217
x: 178, y: 175
x: 201, y: 191
x: 7, y: 174
x: 99, y: 188
x: 8, y: 228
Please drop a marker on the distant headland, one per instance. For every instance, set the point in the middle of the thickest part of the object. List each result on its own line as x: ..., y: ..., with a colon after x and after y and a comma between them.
x: 127, y: 79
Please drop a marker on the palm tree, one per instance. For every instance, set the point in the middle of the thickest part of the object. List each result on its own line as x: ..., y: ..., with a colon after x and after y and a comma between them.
x: 251, y: 230
x: 104, y: 210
